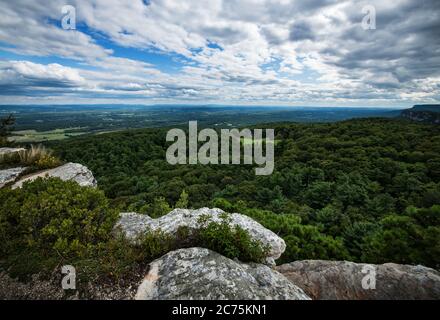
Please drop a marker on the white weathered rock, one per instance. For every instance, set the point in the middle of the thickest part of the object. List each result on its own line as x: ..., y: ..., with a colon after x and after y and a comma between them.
x: 9, y: 175
x: 133, y: 225
x: 342, y: 280
x: 9, y: 151
x: 68, y: 172
x: 201, y: 274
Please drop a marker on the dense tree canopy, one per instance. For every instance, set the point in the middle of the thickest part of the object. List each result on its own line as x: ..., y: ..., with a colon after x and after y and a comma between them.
x: 366, y: 190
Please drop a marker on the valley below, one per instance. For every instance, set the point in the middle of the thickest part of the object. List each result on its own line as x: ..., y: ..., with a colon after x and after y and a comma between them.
x: 365, y: 190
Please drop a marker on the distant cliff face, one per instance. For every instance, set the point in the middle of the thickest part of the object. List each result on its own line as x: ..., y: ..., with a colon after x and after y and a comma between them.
x: 423, y: 113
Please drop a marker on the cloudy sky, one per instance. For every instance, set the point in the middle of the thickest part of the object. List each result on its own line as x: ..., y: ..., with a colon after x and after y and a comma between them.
x: 265, y: 52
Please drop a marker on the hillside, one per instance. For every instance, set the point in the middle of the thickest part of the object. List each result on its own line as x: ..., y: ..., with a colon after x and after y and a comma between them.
x: 64, y: 218
x: 365, y: 190
x: 423, y: 113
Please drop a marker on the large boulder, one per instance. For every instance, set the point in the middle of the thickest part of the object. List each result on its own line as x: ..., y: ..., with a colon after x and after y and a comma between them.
x: 342, y: 280
x: 68, y: 172
x: 133, y: 225
x: 10, y: 175
x: 201, y: 274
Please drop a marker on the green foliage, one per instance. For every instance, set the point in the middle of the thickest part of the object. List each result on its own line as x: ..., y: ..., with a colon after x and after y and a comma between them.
x: 410, y: 238
x: 232, y: 242
x: 6, y: 126
x: 47, y: 162
x: 182, y: 203
x: 118, y: 257
x: 39, y: 157
x: 302, y: 241
x: 54, y: 217
x: 159, y: 208
x: 51, y: 222
x: 333, y: 185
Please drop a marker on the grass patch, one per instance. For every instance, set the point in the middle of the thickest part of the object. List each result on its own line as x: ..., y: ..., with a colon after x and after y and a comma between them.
x: 247, y: 141
x: 26, y: 136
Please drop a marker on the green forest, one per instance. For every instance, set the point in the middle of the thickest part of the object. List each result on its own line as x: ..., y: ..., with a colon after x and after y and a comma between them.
x: 365, y: 190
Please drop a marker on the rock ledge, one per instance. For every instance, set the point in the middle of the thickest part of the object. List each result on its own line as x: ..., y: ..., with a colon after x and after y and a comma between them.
x: 70, y: 171
x: 201, y: 274
x: 133, y: 225
x: 342, y: 280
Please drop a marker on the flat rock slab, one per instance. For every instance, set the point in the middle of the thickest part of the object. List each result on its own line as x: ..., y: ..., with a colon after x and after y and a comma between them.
x: 10, y: 175
x: 68, y: 172
x: 9, y: 151
x: 201, y: 274
x: 133, y: 225
x: 342, y: 280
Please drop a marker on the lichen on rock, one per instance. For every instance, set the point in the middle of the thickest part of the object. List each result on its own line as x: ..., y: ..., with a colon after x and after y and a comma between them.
x: 9, y: 151
x: 10, y: 175
x: 68, y: 172
x: 342, y: 280
x: 133, y: 225
x: 202, y: 274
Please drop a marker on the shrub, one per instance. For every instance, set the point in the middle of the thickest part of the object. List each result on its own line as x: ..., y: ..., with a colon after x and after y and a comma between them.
x: 159, y: 208
x: 230, y: 241
x: 118, y: 257
x: 47, y: 162
x: 6, y: 126
x: 39, y: 157
x: 51, y: 222
x: 302, y: 241
x: 182, y: 203
x: 54, y: 217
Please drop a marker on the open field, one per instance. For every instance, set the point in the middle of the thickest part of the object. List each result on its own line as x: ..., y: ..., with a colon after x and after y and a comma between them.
x: 247, y: 141
x: 41, y: 123
x: 24, y: 136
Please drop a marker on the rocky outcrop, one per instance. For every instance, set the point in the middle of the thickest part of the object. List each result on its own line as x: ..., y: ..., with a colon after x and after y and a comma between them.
x: 133, y: 225
x: 333, y: 280
x: 201, y: 274
x: 423, y: 113
x: 9, y: 151
x: 4, y: 152
x: 10, y: 175
x: 70, y: 171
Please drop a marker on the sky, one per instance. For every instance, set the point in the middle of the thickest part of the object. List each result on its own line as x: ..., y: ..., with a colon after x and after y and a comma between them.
x: 239, y: 52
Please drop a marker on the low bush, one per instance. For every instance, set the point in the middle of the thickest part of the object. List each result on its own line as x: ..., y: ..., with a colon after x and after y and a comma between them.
x: 39, y: 157
x: 53, y: 218
x: 50, y: 222
x: 47, y: 162
x: 302, y: 241
x: 230, y: 241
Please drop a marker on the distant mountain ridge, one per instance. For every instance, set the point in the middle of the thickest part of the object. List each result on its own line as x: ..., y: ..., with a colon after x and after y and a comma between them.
x: 427, y: 107
x: 428, y: 113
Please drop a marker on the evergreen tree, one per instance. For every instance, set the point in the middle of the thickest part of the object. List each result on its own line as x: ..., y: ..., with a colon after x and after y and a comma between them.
x: 182, y: 203
x: 6, y: 126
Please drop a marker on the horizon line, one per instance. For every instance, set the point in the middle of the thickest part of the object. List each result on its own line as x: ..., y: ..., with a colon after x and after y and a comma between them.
x: 214, y: 105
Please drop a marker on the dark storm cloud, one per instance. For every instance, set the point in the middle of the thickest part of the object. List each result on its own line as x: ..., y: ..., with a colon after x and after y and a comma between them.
x: 35, y: 87
x: 405, y: 46
x: 301, y: 31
